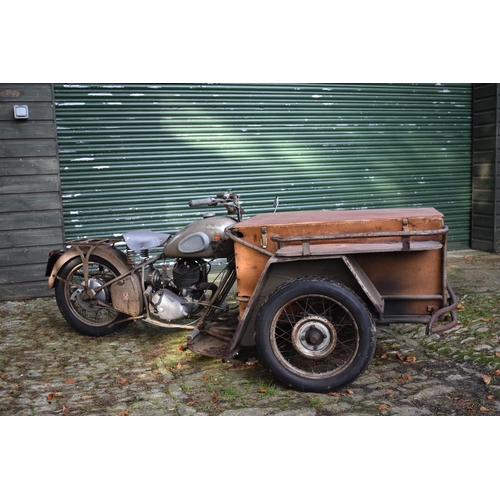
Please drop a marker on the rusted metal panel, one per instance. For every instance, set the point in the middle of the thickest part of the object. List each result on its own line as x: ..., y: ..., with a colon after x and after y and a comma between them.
x: 393, y: 271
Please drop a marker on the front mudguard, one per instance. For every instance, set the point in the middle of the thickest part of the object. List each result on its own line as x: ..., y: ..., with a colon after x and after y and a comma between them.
x: 126, y: 293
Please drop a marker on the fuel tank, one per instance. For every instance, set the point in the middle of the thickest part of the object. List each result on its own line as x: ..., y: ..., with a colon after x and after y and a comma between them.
x: 203, y: 238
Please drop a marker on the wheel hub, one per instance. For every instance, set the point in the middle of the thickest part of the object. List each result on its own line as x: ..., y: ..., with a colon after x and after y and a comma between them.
x: 82, y: 296
x: 314, y: 337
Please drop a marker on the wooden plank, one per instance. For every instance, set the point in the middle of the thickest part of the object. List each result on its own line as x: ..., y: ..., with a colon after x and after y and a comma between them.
x: 483, y: 183
x: 25, y: 92
x: 14, y: 184
x: 485, y: 246
x: 484, y: 144
x: 484, y: 169
x: 21, y: 149
x: 29, y: 166
x: 484, y: 234
x: 17, y: 129
x: 483, y: 90
x: 485, y: 221
x: 22, y: 256
x: 485, y: 104
x: 28, y: 202
x: 483, y: 196
x: 487, y: 130
x: 484, y: 118
x: 23, y: 274
x: 31, y: 219
x: 32, y: 237
x: 37, y: 110
x: 23, y: 291
x: 482, y: 208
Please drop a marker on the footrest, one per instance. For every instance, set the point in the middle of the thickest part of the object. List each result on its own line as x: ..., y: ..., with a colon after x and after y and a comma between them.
x: 206, y: 345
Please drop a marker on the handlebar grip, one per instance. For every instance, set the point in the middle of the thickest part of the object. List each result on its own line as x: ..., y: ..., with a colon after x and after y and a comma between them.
x: 203, y: 202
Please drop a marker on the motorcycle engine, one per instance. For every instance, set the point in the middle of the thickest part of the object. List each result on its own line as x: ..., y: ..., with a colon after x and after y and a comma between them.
x: 181, y: 300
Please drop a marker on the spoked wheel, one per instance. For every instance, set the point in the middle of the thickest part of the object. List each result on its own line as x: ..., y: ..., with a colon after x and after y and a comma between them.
x: 315, y: 335
x: 90, y: 316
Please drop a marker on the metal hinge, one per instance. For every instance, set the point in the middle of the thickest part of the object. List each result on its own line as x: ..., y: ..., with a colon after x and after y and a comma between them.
x: 263, y: 239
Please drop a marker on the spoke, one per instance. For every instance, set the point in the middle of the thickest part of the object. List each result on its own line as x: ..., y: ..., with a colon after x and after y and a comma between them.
x: 345, y: 335
x: 89, y: 313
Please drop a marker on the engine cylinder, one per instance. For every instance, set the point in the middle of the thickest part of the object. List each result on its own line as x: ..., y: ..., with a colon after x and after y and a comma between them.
x: 188, y: 273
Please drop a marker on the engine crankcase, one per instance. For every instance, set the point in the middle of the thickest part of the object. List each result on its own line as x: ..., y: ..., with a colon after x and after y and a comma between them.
x: 169, y: 306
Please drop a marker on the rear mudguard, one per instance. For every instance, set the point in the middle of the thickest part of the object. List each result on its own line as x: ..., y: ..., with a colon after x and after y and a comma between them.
x: 126, y: 294
x: 277, y: 271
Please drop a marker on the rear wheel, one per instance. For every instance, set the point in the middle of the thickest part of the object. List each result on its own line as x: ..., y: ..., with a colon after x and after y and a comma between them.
x: 315, y: 335
x: 90, y: 316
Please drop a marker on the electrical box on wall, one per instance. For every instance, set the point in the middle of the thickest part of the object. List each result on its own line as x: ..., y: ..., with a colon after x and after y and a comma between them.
x: 21, y: 112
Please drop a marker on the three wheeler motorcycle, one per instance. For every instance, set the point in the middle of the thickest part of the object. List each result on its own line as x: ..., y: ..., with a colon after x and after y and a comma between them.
x: 306, y: 289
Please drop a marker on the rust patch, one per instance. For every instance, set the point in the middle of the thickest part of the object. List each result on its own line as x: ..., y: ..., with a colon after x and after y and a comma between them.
x: 10, y: 93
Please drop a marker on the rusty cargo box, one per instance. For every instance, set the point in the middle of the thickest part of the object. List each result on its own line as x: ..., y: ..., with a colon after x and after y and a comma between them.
x: 401, y: 250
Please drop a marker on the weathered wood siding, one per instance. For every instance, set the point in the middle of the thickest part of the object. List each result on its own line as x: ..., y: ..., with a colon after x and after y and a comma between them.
x: 485, y: 231
x: 30, y: 199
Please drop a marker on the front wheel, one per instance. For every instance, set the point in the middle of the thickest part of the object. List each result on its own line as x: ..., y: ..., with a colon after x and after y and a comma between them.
x: 90, y: 317
x: 315, y: 335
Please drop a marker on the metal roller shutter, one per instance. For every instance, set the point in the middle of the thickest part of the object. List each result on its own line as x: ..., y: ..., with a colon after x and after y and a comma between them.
x: 132, y: 155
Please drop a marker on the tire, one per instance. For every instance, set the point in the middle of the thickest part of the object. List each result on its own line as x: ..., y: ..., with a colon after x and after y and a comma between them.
x: 83, y: 316
x: 315, y: 335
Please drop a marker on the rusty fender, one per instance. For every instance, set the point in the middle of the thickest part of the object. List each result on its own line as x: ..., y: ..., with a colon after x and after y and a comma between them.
x: 129, y: 286
x: 279, y: 270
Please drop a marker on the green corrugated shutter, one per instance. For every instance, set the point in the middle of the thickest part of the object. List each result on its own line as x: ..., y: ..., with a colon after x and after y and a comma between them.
x: 132, y: 155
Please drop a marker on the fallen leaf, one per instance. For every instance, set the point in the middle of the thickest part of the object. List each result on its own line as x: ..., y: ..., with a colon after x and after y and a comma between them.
x: 490, y: 397
x: 122, y: 381
x: 483, y: 408
x: 411, y: 359
x: 496, y: 372
x: 486, y: 379
x: 406, y: 376
x: 181, y: 347
x: 382, y: 407
x: 122, y: 414
x: 399, y: 356
x: 3, y: 376
x: 485, y: 320
x: 262, y: 389
x: 53, y: 395
x: 190, y: 403
x: 460, y: 307
x: 349, y: 391
x: 497, y: 354
x: 389, y: 391
x: 336, y: 394
x: 470, y: 408
x: 70, y: 381
x: 65, y: 409
x: 214, y: 399
x: 179, y: 365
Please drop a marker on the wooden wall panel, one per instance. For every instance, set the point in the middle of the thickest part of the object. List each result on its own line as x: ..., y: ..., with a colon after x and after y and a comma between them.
x: 485, y: 230
x: 30, y: 196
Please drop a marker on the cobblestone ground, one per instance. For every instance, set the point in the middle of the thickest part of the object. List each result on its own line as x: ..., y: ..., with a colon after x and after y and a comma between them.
x: 48, y: 369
